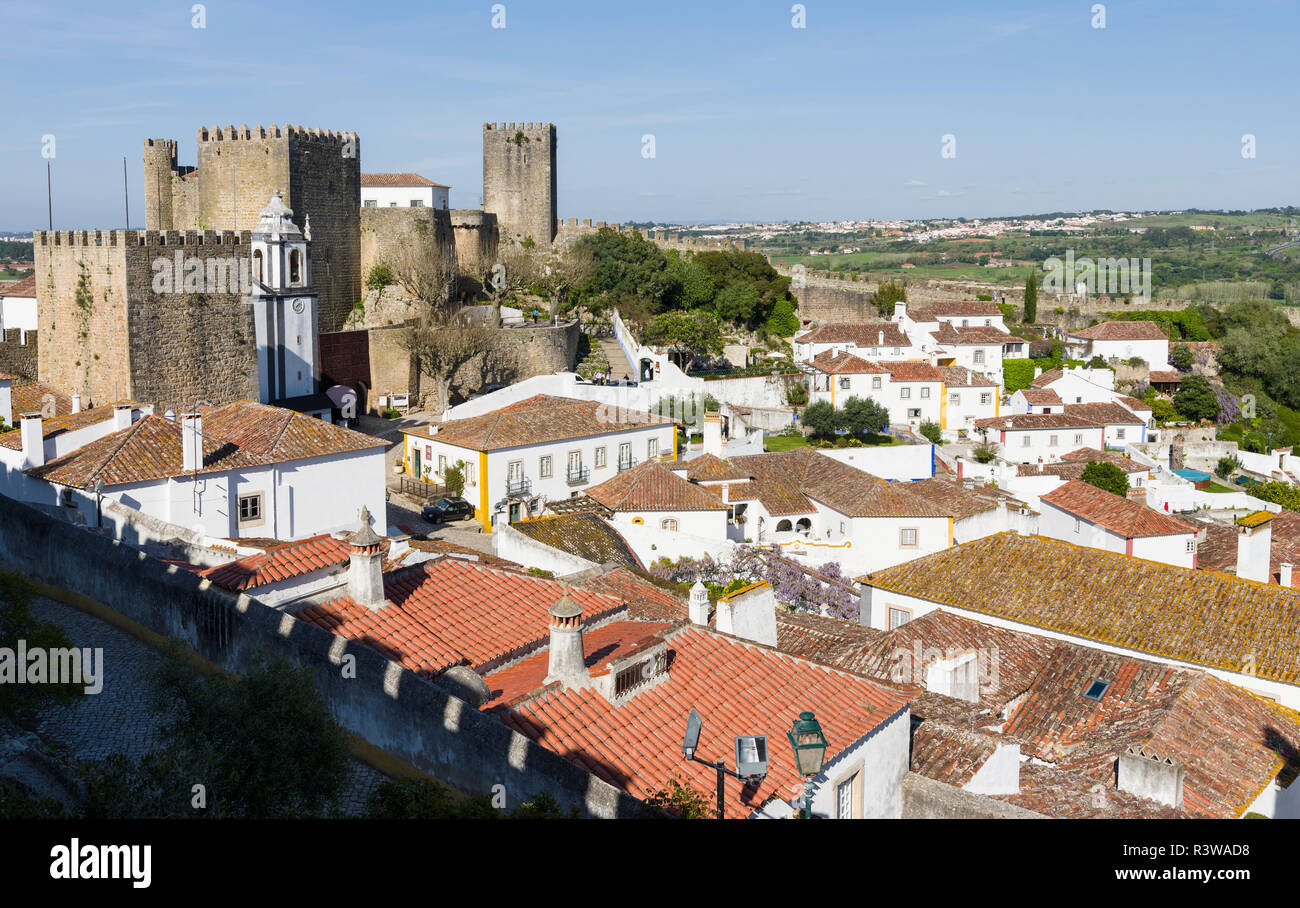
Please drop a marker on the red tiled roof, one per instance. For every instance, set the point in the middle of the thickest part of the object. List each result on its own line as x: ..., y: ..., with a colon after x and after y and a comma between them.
x: 956, y: 309
x: 974, y: 335
x: 452, y: 612
x: 58, y: 425
x: 541, y: 418
x: 282, y: 562
x: 26, y: 288
x: 910, y: 370
x: 1039, y: 396
x: 1116, y: 331
x: 645, y: 600
x: 1105, y: 414
x: 1129, y: 518
x: 737, y: 687
x: 1024, y: 421
x: 37, y: 397
x: 1047, y: 377
x: 398, y: 180
x: 837, y: 361
x: 1217, y: 551
x: 651, y: 486
x: 1133, y: 404
x: 711, y: 468
x: 961, y: 377
x: 864, y: 334
x: 1088, y: 455
x: 584, y: 534
x: 237, y: 435
x: 1166, y: 376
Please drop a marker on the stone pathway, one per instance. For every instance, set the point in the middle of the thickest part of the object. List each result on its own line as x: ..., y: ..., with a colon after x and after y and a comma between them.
x: 119, y: 719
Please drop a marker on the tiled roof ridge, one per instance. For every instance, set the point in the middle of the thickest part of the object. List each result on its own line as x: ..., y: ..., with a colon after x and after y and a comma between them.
x: 130, y: 433
x: 617, y: 612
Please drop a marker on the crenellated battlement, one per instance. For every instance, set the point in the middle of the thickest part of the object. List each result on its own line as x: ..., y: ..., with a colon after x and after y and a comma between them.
x: 159, y: 238
x: 517, y: 127
x: 259, y: 132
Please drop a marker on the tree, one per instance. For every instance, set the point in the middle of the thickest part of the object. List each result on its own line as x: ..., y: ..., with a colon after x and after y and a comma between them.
x: 932, y: 432
x: 1196, y: 399
x: 263, y: 746
x: 738, y: 303
x: 1180, y: 357
x: 822, y: 418
x: 678, y: 799
x: 783, y: 322
x: 1031, y: 298
x: 455, y: 479
x: 1106, y: 476
x: 686, y: 334
x: 887, y: 294
x: 1227, y: 466
x: 21, y: 702
x: 695, y: 287
x: 862, y: 415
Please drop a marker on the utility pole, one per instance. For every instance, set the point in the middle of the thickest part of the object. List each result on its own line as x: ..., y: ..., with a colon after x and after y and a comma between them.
x: 49, y: 193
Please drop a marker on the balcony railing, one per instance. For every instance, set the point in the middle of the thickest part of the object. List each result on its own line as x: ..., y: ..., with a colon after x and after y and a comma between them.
x: 626, y: 464
x: 516, y: 488
x: 578, y: 475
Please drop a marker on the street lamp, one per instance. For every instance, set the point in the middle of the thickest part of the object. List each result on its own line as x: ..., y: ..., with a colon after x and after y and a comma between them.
x: 751, y: 757
x: 809, y: 745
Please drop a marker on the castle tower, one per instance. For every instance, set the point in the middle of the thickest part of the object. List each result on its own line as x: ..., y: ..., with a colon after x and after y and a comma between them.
x: 284, y: 306
x: 519, y: 179
x: 159, y: 172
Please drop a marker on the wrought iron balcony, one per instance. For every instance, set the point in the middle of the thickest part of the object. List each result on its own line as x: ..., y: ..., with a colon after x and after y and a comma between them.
x: 579, y: 475
x: 518, y: 488
x: 627, y: 464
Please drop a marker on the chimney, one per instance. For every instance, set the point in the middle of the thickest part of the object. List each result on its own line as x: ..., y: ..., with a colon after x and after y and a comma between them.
x: 191, y: 442
x: 713, y: 434
x: 7, y: 400
x: 398, y: 546
x: 1284, y: 573
x: 900, y: 311
x: 699, y: 607
x: 1254, y: 546
x: 1038, y: 370
x: 366, y: 566
x: 76, y: 401
x: 749, y: 612
x: 33, y: 440
x: 121, y: 416
x: 1148, y: 775
x: 881, y: 341
x: 567, y: 663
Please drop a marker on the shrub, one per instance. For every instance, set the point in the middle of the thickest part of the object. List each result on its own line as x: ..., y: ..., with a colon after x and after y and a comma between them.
x: 983, y: 452
x: 1227, y: 466
x: 797, y: 396
x: 455, y: 479
x: 1106, y: 476
x: 380, y: 276
x: 1181, y: 358
x: 932, y: 432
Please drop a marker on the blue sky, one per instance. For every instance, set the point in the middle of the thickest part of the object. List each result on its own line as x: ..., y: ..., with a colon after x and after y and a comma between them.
x: 752, y: 118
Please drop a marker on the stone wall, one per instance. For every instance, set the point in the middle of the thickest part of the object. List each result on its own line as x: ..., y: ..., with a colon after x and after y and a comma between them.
x: 519, y: 171
x: 388, y: 234
x: 110, y: 335
x: 425, y: 724
x: 475, y: 234
x: 318, y: 173
x: 926, y: 799
x: 17, y: 357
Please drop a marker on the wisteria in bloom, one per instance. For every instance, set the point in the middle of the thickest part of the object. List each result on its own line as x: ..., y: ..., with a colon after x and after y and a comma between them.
x: 1229, y: 409
x: 823, y: 591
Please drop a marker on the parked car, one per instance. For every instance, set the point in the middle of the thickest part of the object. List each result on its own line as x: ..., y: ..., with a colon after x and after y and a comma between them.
x: 447, y: 509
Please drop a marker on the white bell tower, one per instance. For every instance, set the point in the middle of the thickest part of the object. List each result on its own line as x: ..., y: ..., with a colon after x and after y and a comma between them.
x: 284, y: 306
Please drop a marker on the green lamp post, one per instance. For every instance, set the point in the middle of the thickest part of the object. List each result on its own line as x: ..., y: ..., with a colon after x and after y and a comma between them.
x: 809, y: 745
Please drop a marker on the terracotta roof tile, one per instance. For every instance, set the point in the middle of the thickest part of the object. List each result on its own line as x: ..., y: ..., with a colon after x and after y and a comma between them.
x: 962, y: 377
x: 540, y: 419
x: 711, y: 468
x: 1023, y: 421
x: 26, y: 288
x: 1130, y: 519
x: 786, y: 481
x: 398, y: 180
x: 838, y: 362
x: 912, y: 370
x: 1105, y: 414
x: 1040, y: 396
x: 972, y: 336
x: 1122, y: 331
x: 864, y: 334
x: 583, y: 534
x: 651, y: 486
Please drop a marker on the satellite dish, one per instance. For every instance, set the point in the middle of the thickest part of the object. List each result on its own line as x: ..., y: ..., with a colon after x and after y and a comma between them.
x: 694, y: 724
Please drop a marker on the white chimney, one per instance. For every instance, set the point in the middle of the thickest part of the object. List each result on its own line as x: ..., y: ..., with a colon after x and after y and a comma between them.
x: 76, y: 401
x: 398, y: 546
x: 699, y: 607
x: 1284, y: 573
x: 33, y: 440
x: 713, y: 434
x: 749, y: 612
x: 881, y: 340
x: 900, y: 311
x: 566, y: 662
x: 1038, y: 370
x: 191, y: 442
x: 121, y: 416
x: 1148, y: 775
x: 7, y: 401
x: 366, y: 566
x: 1254, y: 546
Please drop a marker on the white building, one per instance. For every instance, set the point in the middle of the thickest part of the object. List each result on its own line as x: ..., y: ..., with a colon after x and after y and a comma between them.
x: 977, y: 348
x: 651, y: 495
x: 835, y: 376
x: 968, y: 396
x: 1086, y: 515
x: 401, y: 190
x: 242, y: 469
x: 1034, y: 437
x: 870, y: 340
x: 915, y: 393
x: 545, y: 448
x: 18, y: 307
x: 284, y: 306
x: 1121, y: 341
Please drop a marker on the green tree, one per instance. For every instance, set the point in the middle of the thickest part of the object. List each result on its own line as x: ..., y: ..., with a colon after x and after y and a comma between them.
x: 694, y: 285
x: 932, y: 432
x: 686, y: 334
x: 887, y: 294
x: 783, y: 322
x: 1031, y: 298
x: 1106, y: 476
x: 454, y: 479
x: 1180, y: 357
x: 862, y: 415
x: 738, y: 303
x: 1227, y: 466
x: 678, y: 799
x: 822, y: 418
x: 1196, y: 399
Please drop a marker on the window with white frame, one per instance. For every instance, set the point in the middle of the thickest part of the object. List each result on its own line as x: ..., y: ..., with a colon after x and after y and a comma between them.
x: 907, y: 538
x: 600, y: 457
x: 925, y: 393
x: 979, y: 356
x: 652, y: 448
x: 954, y: 399
x: 1052, y: 441
x: 986, y: 399
x: 575, y: 463
x: 844, y: 383
x: 897, y: 351
x: 1078, y: 525
x: 846, y: 798
x: 913, y: 412
x: 1078, y: 438
x: 250, y: 509
x: 898, y: 617
x: 875, y: 383
x: 1025, y: 440
x: 442, y: 464
x: 1119, y: 433
x: 904, y: 393
x: 544, y: 467
x: 1191, y: 546
x: 669, y: 524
